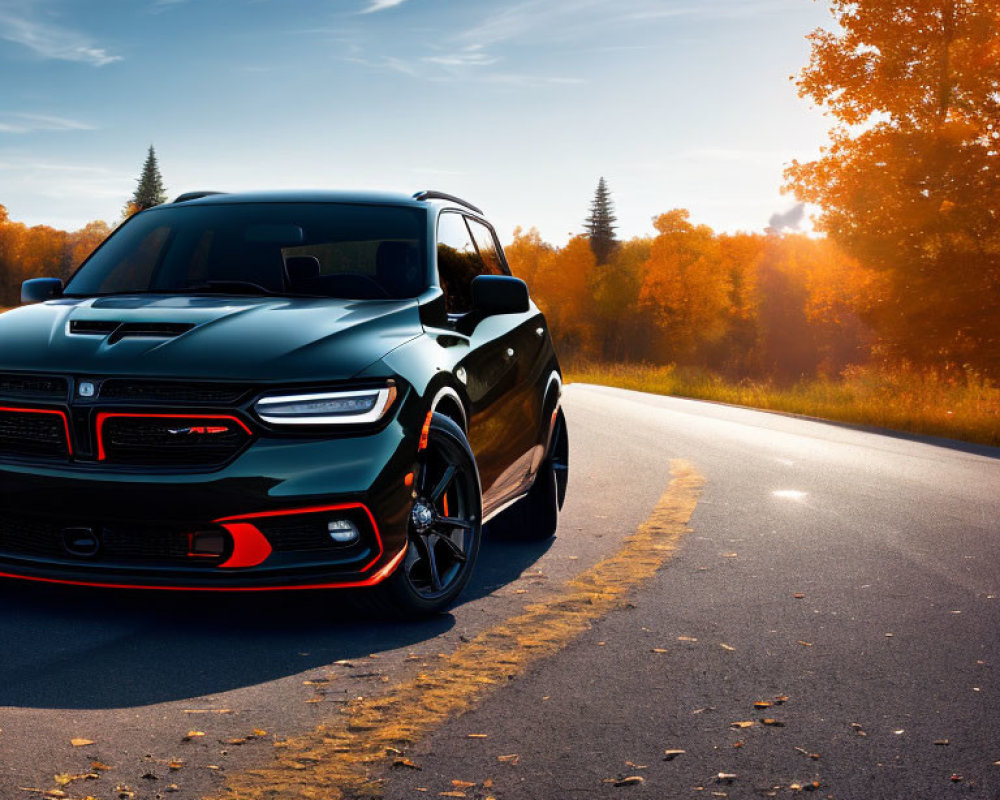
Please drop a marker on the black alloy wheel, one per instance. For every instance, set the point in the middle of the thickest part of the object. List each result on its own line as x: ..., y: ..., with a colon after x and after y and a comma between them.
x: 445, y: 526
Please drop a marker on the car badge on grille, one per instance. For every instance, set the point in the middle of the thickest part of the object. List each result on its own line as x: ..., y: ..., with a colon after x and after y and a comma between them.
x: 198, y: 430
x: 86, y: 389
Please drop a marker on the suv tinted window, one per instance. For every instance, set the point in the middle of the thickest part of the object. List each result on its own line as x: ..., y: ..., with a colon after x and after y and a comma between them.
x: 316, y: 249
x: 487, y: 246
x: 458, y: 262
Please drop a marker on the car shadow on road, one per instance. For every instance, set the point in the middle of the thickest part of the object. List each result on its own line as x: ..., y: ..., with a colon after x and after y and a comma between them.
x: 83, y: 648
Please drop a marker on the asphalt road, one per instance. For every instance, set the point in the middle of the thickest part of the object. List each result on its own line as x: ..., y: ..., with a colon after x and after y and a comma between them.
x: 853, y: 573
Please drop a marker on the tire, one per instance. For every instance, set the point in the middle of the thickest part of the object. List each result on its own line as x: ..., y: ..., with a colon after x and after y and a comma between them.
x: 535, y: 517
x: 445, y: 528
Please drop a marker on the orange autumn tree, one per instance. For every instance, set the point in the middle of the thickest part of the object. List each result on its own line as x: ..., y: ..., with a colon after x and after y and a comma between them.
x: 562, y: 282
x: 526, y: 253
x: 615, y: 287
x: 32, y: 252
x: 910, y: 182
x: 684, y: 289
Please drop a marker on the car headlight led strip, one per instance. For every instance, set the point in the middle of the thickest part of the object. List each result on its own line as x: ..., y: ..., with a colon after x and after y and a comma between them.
x: 353, y: 407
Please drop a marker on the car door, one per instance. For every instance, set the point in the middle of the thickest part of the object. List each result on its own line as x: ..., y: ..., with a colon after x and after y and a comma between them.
x: 501, y: 429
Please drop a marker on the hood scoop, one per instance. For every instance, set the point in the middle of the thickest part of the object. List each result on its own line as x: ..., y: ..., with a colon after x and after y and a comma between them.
x: 116, y: 330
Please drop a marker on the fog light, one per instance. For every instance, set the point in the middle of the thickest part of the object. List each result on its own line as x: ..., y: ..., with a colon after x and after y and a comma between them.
x: 343, y: 531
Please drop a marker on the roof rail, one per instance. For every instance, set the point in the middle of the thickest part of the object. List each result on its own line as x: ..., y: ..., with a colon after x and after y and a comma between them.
x: 183, y: 198
x: 429, y: 194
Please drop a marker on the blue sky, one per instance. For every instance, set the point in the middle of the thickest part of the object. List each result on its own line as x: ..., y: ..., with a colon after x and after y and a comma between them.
x: 520, y: 106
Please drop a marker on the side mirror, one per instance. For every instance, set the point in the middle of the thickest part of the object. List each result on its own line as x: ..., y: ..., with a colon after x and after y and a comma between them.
x: 499, y: 294
x: 38, y: 290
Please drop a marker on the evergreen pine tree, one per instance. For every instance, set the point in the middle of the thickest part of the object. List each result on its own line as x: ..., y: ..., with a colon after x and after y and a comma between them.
x: 149, y: 191
x: 600, y: 224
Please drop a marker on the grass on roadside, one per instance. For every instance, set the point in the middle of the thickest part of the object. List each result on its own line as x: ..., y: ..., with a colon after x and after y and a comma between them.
x: 966, y: 407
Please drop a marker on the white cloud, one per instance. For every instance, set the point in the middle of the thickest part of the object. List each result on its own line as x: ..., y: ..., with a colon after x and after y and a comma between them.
x: 159, y: 6
x: 48, y: 40
x: 382, y: 5
x: 463, y: 58
x: 20, y: 122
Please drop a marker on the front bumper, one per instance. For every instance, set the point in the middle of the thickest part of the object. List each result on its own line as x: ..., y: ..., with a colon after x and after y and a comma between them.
x: 269, y: 506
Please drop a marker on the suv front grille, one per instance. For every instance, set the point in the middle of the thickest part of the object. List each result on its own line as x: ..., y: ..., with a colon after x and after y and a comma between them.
x: 34, y: 387
x: 34, y: 432
x: 169, y: 392
x: 169, y: 440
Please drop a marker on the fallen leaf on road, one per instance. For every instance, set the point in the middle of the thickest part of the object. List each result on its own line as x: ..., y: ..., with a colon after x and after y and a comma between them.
x: 746, y: 724
x: 805, y: 644
x: 726, y: 777
x: 762, y: 704
x: 730, y: 555
x: 725, y: 646
x: 942, y: 742
x: 99, y: 765
x: 956, y: 778
x: 686, y: 639
x: 670, y: 755
x: 477, y: 736
x: 462, y: 784
x: 781, y: 698
x: 81, y: 742
x: 405, y: 763
x: 631, y: 780
x: 774, y: 723
x: 64, y: 778
x: 512, y: 759
x: 175, y: 765
x: 798, y: 595
x: 657, y: 650
x: 900, y: 732
x: 451, y: 794
x: 739, y: 744
x: 636, y: 766
x: 193, y: 735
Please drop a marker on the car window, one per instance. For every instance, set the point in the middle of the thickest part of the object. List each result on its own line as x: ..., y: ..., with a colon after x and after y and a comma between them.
x: 487, y: 246
x: 316, y: 249
x: 137, y: 265
x: 458, y: 262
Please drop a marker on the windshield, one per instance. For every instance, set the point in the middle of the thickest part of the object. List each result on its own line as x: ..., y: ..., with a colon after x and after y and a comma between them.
x: 316, y: 249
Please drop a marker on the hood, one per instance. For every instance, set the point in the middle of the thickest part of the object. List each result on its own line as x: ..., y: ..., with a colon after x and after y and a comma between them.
x: 251, y: 339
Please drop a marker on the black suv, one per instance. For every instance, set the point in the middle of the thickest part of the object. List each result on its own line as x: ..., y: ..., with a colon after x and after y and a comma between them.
x: 279, y: 391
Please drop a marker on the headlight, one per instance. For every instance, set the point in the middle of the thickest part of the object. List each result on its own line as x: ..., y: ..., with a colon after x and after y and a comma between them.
x: 327, y: 408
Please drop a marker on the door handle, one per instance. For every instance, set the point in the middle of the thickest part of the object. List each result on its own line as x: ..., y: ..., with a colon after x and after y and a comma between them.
x: 510, y: 352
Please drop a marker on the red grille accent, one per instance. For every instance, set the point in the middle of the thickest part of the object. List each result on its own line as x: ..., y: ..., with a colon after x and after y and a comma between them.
x: 34, y: 432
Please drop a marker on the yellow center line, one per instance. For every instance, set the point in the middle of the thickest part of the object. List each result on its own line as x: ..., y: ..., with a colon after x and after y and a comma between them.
x: 345, y: 758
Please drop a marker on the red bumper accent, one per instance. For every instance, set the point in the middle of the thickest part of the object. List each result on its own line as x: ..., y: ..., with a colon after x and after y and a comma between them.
x: 372, y: 580
x: 250, y: 546
x: 312, y: 510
